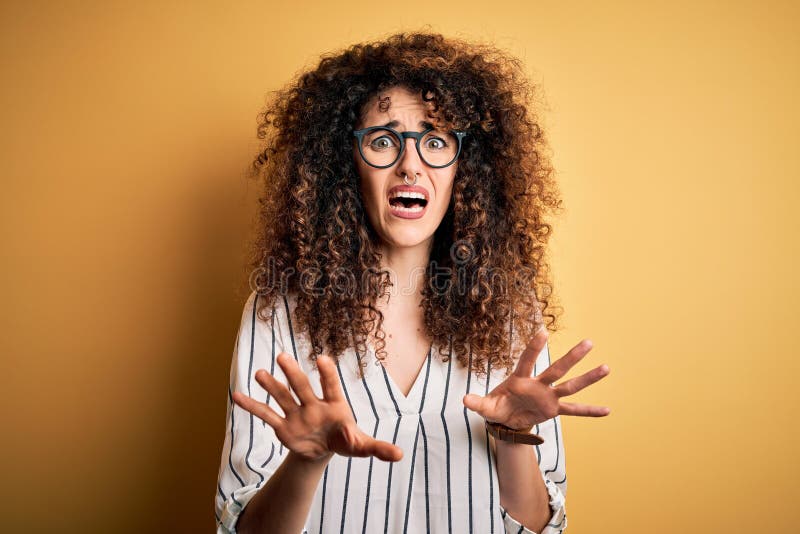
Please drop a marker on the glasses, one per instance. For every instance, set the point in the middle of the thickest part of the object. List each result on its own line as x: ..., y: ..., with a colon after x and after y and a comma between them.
x: 381, y: 146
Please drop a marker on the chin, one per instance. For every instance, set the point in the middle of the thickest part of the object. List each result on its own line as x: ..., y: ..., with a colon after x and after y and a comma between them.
x: 406, y: 237
x: 406, y: 240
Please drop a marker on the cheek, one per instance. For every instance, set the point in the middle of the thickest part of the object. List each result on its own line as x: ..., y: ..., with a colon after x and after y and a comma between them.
x: 445, y: 192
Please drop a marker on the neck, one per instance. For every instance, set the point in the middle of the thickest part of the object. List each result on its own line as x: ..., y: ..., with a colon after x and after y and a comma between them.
x: 407, y: 267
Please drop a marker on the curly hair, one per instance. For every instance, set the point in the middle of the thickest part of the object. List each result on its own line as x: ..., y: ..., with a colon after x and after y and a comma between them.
x: 312, y: 221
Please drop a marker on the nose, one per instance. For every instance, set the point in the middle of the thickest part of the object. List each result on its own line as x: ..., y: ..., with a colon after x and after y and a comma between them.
x: 410, y: 162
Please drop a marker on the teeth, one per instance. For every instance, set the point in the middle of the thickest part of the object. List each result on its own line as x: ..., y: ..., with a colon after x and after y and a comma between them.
x: 416, y: 209
x: 407, y: 194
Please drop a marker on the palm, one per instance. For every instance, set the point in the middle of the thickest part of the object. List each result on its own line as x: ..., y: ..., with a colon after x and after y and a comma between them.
x: 333, y: 429
x: 522, y: 401
x: 312, y: 432
x: 316, y: 428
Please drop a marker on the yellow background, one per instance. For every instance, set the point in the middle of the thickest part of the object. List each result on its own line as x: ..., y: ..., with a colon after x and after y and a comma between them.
x: 126, y: 132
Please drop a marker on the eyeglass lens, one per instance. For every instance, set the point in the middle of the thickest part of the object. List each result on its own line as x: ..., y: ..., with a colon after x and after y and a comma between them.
x: 382, y: 147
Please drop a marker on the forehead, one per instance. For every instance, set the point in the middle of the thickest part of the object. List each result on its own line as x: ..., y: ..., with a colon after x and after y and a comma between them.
x: 397, y: 103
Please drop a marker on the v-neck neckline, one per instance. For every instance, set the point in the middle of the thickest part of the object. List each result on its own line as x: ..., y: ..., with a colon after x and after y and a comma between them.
x: 412, y: 402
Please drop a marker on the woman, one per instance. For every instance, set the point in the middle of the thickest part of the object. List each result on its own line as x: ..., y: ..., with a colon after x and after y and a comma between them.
x: 400, y: 304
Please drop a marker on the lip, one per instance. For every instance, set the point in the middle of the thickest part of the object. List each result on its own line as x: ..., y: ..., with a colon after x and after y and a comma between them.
x: 411, y: 188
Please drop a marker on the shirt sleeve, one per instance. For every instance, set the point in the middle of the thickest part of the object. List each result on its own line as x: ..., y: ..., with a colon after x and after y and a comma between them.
x: 251, y: 452
x: 552, y: 467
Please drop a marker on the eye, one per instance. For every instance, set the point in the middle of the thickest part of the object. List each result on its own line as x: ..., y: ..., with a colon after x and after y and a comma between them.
x: 435, y: 143
x: 383, y: 142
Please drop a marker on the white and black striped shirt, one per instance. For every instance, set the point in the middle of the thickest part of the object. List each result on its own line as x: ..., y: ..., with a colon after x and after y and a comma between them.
x: 447, y: 479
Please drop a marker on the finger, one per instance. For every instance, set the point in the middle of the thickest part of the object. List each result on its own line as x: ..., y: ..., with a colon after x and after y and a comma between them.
x: 576, y: 384
x: 259, y: 409
x: 277, y: 390
x: 331, y: 388
x: 383, y: 450
x: 584, y: 410
x: 566, y: 362
x: 528, y: 358
x: 361, y: 445
x: 478, y: 404
x: 297, y: 379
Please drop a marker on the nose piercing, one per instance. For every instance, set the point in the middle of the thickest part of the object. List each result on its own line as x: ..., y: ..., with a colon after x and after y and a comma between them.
x: 416, y: 177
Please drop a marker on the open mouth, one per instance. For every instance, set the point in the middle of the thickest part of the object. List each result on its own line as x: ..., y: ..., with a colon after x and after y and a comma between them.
x: 409, y: 202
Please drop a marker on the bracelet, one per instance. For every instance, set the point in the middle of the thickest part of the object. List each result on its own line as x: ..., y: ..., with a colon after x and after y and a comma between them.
x: 504, y: 433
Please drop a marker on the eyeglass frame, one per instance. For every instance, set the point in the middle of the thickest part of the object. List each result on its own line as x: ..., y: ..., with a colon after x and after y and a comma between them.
x: 416, y: 136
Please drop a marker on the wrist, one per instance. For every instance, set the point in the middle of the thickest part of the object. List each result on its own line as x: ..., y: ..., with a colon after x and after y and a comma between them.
x: 310, y: 463
x: 502, y: 445
x: 505, y: 434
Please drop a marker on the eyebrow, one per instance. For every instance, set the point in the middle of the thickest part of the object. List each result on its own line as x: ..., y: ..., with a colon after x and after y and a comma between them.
x: 395, y: 124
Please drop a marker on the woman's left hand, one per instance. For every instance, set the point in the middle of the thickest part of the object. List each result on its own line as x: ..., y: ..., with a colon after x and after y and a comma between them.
x: 522, y: 401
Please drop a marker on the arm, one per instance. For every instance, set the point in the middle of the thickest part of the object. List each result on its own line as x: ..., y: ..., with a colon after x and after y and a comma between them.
x: 526, y: 400
x: 251, y: 453
x: 523, y: 493
x: 285, y: 499
x: 523, y: 481
x: 309, y: 428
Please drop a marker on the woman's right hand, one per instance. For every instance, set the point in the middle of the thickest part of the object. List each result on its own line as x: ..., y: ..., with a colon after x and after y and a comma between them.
x: 316, y: 428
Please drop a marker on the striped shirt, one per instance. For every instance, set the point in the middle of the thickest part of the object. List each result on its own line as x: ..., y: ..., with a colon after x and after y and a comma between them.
x: 447, y: 479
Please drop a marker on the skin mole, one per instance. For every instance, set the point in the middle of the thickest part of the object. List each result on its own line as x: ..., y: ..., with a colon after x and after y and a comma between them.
x: 384, y: 103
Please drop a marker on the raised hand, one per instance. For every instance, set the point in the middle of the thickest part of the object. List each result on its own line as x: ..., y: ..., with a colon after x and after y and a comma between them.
x: 316, y: 428
x: 522, y: 401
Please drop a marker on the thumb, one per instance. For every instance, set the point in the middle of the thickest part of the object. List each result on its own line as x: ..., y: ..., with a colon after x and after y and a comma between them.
x: 474, y: 403
x: 383, y: 450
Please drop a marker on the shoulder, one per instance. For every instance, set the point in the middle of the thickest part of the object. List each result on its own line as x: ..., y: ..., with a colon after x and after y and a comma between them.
x: 264, y: 306
x: 281, y: 310
x: 270, y: 317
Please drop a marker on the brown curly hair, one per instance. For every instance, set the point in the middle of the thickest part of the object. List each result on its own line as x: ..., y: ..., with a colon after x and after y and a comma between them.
x: 312, y: 220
